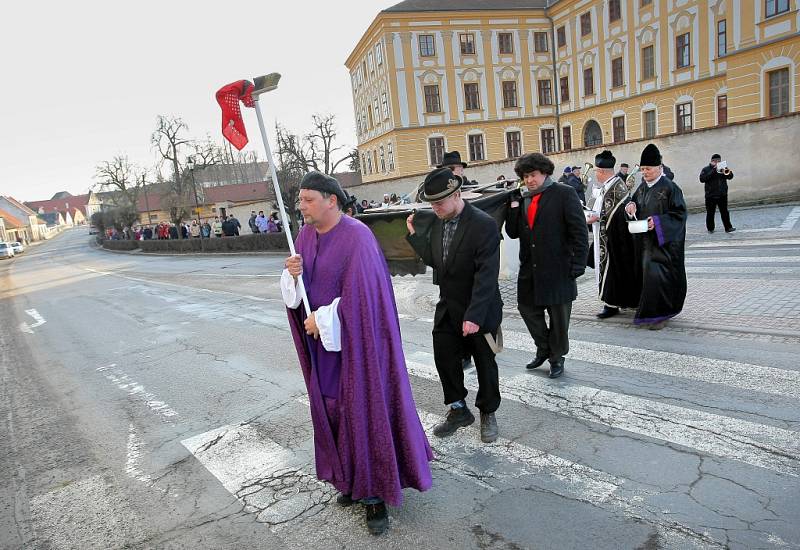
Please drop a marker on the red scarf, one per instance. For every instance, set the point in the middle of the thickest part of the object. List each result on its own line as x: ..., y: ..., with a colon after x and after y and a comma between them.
x: 532, y: 210
x: 228, y: 98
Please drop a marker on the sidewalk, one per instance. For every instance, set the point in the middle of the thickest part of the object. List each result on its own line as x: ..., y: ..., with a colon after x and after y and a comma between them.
x: 735, y: 299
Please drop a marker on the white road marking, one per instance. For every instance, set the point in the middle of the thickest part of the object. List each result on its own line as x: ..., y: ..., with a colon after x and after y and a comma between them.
x: 759, y: 445
x: 743, y: 270
x: 704, y: 369
x: 746, y: 376
x: 132, y: 457
x: 184, y: 287
x: 746, y: 243
x: 787, y: 225
x: 742, y: 260
x: 745, y: 250
x: 223, y: 275
x: 25, y: 327
x: 280, y: 487
x: 137, y: 391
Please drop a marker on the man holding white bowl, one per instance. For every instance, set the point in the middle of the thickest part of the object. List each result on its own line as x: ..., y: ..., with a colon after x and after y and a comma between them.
x: 659, y: 250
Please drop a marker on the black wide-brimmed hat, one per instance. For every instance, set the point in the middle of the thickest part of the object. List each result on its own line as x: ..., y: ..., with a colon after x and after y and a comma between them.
x: 440, y: 184
x: 451, y: 159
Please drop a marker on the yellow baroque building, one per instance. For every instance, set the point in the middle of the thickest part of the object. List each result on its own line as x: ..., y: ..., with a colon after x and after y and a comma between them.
x: 497, y: 78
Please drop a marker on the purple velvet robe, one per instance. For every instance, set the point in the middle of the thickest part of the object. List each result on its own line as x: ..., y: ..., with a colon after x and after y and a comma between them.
x: 368, y: 438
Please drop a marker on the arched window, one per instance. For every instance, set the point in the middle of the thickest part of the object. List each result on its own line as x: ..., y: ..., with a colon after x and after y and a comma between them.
x: 592, y: 134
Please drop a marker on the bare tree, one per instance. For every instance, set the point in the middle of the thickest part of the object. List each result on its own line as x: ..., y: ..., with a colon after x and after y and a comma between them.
x: 118, y: 176
x: 297, y: 155
x: 317, y: 149
x: 168, y: 140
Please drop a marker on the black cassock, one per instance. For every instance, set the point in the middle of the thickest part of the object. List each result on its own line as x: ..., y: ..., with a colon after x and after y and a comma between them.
x: 620, y: 283
x: 659, y: 253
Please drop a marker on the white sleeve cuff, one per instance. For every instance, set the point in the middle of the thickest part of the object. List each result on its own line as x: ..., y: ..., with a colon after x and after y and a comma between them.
x: 330, y: 329
x: 289, y: 292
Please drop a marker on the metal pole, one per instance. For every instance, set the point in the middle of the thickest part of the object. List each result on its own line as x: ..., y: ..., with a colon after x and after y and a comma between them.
x: 146, y: 202
x: 196, y: 202
x: 278, y: 195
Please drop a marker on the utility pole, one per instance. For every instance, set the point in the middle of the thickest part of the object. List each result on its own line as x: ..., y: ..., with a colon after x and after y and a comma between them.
x: 146, y: 202
x: 190, y: 162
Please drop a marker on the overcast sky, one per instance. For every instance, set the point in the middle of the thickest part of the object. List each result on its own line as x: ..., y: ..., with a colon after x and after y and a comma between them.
x: 84, y: 81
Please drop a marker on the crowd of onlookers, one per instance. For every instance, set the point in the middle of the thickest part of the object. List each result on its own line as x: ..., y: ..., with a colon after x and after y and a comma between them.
x: 221, y: 226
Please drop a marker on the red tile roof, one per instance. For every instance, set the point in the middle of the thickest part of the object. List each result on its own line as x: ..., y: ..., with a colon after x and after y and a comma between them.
x: 21, y: 206
x: 60, y: 205
x: 348, y: 179
x: 11, y: 221
x: 239, y: 192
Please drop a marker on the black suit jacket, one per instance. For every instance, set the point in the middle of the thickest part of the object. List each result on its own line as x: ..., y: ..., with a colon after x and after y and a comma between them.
x: 553, y: 255
x: 468, y: 282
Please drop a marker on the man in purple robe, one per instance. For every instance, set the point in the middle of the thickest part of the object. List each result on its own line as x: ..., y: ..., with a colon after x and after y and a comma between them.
x: 368, y: 439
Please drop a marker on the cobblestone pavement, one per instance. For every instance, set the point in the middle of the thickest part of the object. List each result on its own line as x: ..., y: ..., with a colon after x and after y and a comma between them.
x: 745, y: 281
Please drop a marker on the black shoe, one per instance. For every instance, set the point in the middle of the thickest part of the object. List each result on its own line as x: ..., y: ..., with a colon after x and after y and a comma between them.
x: 538, y: 361
x: 489, y: 429
x: 344, y: 500
x: 556, y: 368
x: 710, y: 230
x: 608, y: 312
x: 377, y: 518
x: 730, y: 230
x: 456, y: 418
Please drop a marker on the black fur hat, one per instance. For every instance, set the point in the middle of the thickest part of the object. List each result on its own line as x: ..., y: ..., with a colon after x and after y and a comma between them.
x: 651, y: 156
x: 605, y: 160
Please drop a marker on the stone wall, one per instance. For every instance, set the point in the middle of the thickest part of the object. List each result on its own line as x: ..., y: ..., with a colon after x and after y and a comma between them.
x: 762, y: 155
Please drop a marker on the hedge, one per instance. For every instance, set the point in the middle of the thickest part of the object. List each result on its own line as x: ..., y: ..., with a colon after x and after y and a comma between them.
x: 120, y: 245
x: 244, y: 243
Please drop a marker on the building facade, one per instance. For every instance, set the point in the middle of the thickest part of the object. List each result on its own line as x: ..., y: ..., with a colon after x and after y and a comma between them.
x: 495, y: 79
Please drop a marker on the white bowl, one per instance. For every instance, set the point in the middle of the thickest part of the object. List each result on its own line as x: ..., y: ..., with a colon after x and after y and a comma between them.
x: 637, y: 226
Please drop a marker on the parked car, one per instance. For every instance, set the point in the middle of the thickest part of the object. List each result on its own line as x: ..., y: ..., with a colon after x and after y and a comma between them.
x: 18, y: 248
x: 93, y: 230
x: 6, y: 250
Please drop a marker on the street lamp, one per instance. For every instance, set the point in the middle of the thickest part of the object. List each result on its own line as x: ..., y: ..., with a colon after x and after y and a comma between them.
x: 190, y: 164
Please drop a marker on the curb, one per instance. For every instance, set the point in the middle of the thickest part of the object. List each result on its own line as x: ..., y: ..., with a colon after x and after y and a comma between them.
x: 140, y: 252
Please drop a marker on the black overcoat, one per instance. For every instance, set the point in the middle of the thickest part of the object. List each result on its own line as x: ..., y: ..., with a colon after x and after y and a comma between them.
x: 553, y: 255
x: 468, y: 282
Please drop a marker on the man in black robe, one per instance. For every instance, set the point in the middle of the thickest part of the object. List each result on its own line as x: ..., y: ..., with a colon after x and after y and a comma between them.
x: 659, y: 252
x: 612, y: 252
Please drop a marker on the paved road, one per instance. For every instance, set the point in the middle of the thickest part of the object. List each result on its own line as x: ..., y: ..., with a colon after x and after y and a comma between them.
x: 155, y: 402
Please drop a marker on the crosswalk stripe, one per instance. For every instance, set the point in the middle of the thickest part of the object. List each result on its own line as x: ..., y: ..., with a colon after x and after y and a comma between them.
x: 747, y: 243
x: 742, y: 259
x: 744, y: 250
x: 704, y: 369
x: 759, y: 445
x: 746, y: 270
x: 279, y: 486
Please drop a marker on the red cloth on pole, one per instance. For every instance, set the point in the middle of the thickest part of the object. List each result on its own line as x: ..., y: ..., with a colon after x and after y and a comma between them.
x: 532, y: 210
x: 228, y: 98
